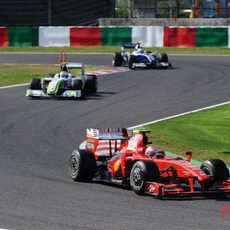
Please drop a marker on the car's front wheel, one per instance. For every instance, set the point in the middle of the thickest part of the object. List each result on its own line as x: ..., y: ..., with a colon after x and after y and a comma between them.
x: 132, y: 60
x: 215, y: 168
x: 35, y: 84
x: 141, y: 172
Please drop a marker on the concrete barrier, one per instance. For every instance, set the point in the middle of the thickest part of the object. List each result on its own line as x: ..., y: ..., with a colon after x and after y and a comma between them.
x: 164, y: 22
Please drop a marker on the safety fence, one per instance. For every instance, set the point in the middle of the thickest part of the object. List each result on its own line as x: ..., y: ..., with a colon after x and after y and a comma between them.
x: 149, y: 36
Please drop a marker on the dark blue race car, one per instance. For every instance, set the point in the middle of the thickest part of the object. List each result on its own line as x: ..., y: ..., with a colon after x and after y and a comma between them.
x: 140, y: 59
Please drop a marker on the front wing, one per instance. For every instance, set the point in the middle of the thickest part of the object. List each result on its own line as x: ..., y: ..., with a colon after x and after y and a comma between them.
x: 41, y: 93
x: 161, y: 189
x: 160, y: 65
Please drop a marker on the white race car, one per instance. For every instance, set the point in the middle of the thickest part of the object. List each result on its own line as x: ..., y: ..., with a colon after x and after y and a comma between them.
x: 140, y: 59
x: 64, y: 84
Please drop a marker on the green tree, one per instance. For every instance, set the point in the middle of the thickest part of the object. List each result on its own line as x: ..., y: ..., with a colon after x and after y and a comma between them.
x: 122, y: 9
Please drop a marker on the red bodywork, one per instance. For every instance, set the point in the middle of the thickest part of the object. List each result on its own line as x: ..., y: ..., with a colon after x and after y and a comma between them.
x: 130, y: 146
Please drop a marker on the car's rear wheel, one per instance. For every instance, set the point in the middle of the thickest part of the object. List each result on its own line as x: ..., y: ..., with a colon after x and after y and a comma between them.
x: 117, y: 59
x: 132, y: 60
x: 215, y: 168
x: 35, y: 84
x: 91, y: 84
x: 141, y: 172
x: 82, y: 165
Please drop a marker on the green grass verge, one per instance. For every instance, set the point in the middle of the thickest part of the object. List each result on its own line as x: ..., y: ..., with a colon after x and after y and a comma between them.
x: 18, y: 73
x: 112, y: 49
x: 205, y: 133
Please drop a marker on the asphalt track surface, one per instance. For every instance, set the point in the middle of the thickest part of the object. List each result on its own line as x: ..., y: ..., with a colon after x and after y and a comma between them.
x: 38, y: 136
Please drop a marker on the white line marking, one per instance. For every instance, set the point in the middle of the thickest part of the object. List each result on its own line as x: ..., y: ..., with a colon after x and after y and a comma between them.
x: 179, y: 115
x: 13, y: 86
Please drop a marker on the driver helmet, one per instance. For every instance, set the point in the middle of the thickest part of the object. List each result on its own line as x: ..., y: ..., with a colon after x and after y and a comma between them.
x: 138, y: 45
x: 64, y: 74
x: 151, y: 151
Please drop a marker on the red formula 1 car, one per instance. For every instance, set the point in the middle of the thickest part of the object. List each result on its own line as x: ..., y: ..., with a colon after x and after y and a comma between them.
x: 124, y: 157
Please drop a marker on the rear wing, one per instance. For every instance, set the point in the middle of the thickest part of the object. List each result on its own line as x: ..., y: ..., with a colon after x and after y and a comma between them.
x: 80, y: 66
x: 69, y: 65
x: 105, y: 142
x: 109, y: 133
x: 129, y: 45
x: 75, y: 65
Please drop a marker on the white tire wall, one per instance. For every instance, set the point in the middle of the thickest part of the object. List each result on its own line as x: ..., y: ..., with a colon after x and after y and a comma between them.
x: 54, y: 36
x: 150, y: 36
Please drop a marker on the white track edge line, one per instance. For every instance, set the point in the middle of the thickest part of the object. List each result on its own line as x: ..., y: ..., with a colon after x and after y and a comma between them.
x: 179, y: 115
x: 13, y: 86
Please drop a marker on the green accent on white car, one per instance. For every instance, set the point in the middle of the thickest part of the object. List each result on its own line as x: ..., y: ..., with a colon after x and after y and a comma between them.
x: 54, y: 86
x: 40, y: 93
x: 72, y: 93
x: 35, y: 93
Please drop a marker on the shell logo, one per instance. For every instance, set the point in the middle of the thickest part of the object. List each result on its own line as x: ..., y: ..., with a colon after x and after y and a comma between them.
x: 117, y: 165
x: 151, y: 188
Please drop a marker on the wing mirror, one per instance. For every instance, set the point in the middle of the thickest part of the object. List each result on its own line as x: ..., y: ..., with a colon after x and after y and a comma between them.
x: 189, y: 155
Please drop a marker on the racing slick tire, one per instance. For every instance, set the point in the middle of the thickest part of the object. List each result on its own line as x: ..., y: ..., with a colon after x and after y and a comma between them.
x: 132, y: 59
x: 216, y: 168
x: 82, y: 165
x: 35, y: 84
x: 76, y: 84
x: 91, y: 84
x: 164, y: 58
x: 117, y: 59
x: 141, y: 172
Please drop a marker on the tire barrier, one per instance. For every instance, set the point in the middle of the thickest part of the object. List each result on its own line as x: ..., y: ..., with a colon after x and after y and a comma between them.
x: 150, y: 36
x: 212, y: 36
x: 115, y: 36
x: 3, y: 36
x: 85, y: 36
x: 179, y: 37
x: 23, y: 36
x: 54, y: 36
